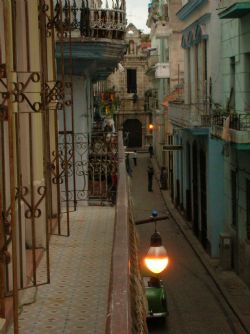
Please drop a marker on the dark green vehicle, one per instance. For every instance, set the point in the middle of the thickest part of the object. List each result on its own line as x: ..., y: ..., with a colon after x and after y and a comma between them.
x: 156, y: 297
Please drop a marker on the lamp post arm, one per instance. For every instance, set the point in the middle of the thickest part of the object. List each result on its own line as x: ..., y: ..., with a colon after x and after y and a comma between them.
x: 151, y: 219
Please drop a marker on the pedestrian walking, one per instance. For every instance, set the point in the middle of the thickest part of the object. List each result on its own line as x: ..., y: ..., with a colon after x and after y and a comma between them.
x: 128, y: 167
x: 151, y: 150
x: 135, y: 158
x: 150, y: 177
x: 163, y: 178
x: 113, y: 189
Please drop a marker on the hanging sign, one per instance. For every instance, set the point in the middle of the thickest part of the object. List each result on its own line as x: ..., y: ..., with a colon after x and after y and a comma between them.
x: 172, y: 147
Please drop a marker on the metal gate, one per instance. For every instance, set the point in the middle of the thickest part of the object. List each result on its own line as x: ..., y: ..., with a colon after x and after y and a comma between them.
x: 93, y: 175
x: 30, y: 101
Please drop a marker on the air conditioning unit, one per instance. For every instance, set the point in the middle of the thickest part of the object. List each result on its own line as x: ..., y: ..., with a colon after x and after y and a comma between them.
x: 162, y: 71
x: 226, y: 251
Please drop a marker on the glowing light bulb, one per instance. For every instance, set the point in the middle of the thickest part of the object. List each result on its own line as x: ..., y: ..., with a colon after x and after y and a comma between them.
x: 156, y: 259
x: 151, y: 126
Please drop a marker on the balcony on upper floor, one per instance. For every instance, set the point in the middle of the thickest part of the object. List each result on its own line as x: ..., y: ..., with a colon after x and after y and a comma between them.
x: 189, y: 7
x: 231, y: 9
x: 153, y: 60
x: 233, y: 127
x: 151, y: 100
x: 189, y: 115
x: 90, y: 35
x: 158, y: 70
x: 131, y: 105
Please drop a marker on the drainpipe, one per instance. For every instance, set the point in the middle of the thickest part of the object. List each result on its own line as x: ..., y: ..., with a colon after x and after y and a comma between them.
x: 7, y: 9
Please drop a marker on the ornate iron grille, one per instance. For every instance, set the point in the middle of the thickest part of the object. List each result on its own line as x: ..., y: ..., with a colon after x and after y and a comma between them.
x: 95, y: 167
x: 84, y: 19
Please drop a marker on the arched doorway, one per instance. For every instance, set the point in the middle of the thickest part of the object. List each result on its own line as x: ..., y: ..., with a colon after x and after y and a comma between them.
x: 132, y: 131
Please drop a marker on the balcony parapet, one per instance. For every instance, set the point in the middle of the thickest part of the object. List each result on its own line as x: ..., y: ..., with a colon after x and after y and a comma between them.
x: 92, y: 36
x: 224, y: 4
x: 234, y: 128
x: 228, y: 9
x: 153, y: 60
x: 131, y: 105
x: 189, y: 115
x: 90, y: 22
x: 126, y: 289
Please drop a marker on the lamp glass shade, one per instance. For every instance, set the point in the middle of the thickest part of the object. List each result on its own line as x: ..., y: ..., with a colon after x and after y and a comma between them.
x: 156, y: 259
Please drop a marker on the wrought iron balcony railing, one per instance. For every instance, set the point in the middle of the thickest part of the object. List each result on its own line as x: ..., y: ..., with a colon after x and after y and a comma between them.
x: 239, y: 122
x: 89, y: 19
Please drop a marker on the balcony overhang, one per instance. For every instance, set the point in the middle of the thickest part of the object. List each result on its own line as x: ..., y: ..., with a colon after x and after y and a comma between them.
x: 241, y: 139
x: 189, y: 8
x: 235, y: 11
x: 198, y: 131
x: 95, y: 59
x: 241, y: 147
x: 189, y: 116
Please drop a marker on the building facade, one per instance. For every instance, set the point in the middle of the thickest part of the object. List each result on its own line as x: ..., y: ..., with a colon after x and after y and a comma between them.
x: 130, y: 83
x: 234, y: 17
x: 211, y: 171
x: 165, y: 70
x: 195, y: 174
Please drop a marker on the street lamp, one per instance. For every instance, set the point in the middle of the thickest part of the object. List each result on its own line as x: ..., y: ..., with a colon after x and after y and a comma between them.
x: 156, y: 259
x: 151, y: 126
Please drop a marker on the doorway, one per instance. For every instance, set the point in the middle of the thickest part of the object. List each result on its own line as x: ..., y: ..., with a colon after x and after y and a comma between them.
x: 195, y: 192
x: 132, y: 130
x: 203, y: 198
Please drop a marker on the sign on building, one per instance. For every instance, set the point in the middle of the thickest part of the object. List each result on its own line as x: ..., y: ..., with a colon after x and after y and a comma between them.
x: 172, y: 147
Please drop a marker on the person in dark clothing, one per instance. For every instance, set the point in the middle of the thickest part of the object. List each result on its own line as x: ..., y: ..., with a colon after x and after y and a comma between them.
x: 151, y: 150
x: 150, y: 177
x: 85, y: 19
x: 135, y: 158
x: 163, y: 178
x: 128, y: 167
x: 113, y: 189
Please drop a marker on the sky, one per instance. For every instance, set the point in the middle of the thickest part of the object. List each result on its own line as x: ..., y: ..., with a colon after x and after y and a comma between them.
x: 137, y: 13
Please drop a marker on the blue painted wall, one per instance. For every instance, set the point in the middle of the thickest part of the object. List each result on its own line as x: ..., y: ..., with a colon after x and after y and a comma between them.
x: 215, y: 193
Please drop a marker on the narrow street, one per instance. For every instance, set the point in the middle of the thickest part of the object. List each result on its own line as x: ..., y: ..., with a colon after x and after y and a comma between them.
x: 195, y: 304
